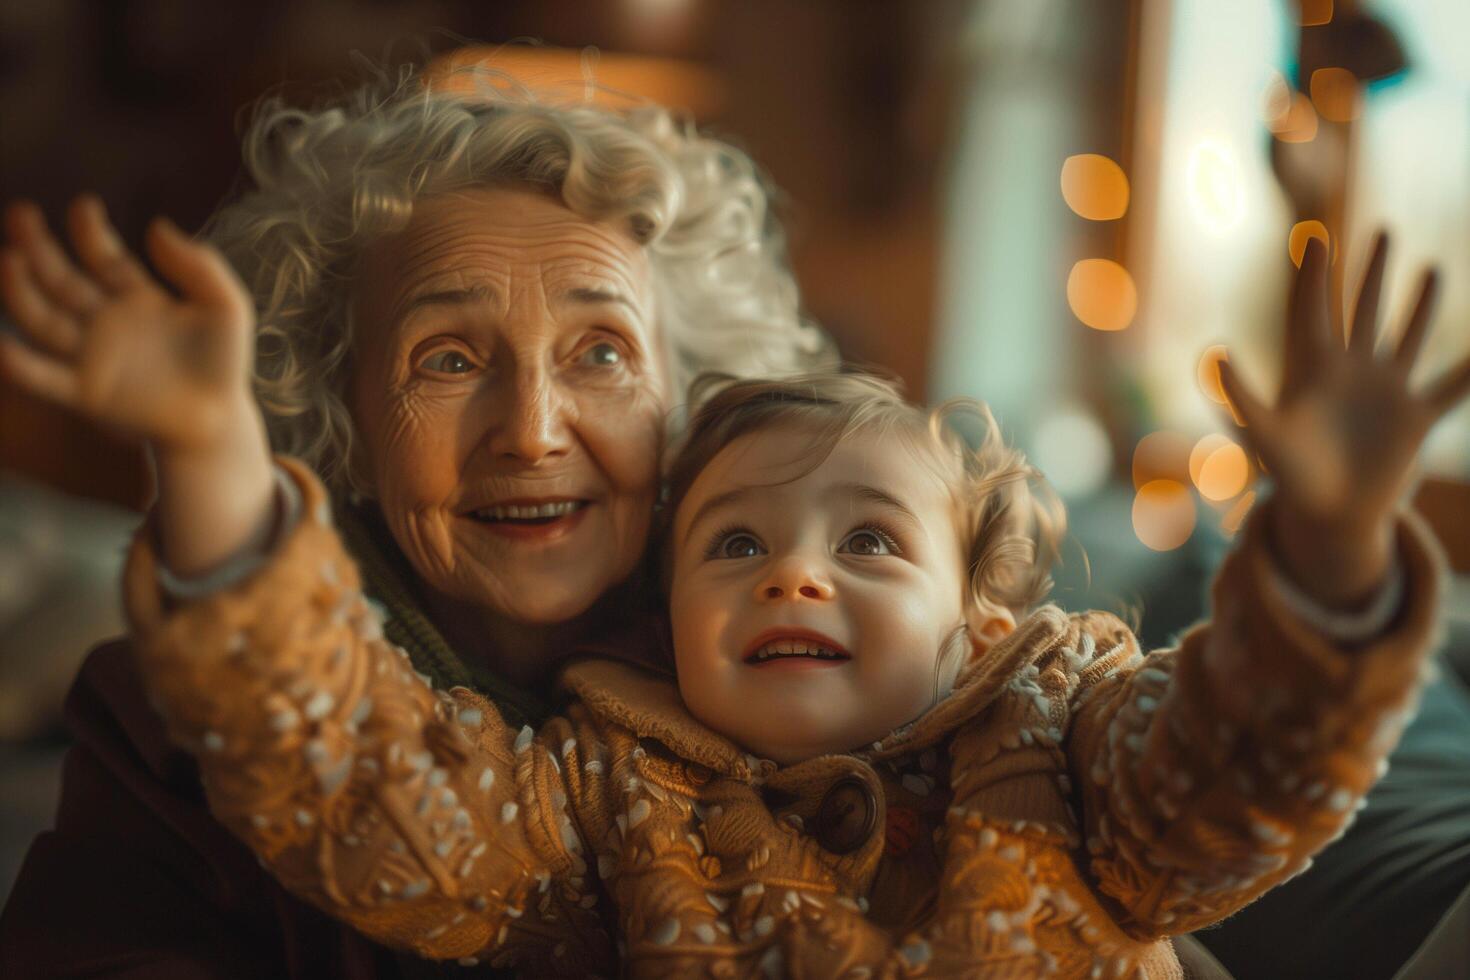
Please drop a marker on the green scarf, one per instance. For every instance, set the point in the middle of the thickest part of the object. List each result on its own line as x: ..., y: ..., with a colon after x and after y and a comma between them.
x: 389, y: 581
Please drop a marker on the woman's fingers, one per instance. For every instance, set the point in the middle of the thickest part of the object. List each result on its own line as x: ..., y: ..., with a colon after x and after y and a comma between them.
x: 63, y: 283
x: 43, y: 324
x: 37, y: 373
x: 101, y: 248
x: 1418, y: 325
x: 1365, y: 316
x: 198, y: 271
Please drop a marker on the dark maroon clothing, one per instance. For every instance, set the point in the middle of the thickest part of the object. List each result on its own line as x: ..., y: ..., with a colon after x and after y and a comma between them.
x: 139, y: 880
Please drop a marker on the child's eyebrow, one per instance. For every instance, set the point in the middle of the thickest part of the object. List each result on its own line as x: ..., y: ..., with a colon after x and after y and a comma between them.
x: 712, y: 504
x: 863, y: 491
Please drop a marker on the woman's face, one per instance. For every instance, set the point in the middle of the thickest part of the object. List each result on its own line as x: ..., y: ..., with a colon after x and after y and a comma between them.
x: 510, y: 393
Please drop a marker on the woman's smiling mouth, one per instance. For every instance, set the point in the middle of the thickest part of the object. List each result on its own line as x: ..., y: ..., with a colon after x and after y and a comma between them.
x: 531, y: 520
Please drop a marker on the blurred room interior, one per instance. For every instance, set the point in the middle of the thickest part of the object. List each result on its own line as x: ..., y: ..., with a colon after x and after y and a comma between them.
x: 1066, y: 209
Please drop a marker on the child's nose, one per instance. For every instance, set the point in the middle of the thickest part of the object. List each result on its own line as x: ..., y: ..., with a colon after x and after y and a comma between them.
x: 795, y: 578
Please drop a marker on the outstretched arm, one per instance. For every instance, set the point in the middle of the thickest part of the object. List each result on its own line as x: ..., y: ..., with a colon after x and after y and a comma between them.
x: 417, y: 816
x: 1213, y: 772
x: 107, y: 340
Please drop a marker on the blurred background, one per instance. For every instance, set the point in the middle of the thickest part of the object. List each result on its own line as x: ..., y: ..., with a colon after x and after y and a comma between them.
x: 1067, y: 209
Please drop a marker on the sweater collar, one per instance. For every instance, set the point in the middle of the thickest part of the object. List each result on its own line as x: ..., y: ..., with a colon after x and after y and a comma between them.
x: 648, y: 703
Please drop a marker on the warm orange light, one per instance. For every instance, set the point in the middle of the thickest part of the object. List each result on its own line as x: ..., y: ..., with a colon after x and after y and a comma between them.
x: 1315, y: 13
x: 1202, y: 451
x: 1301, y: 233
x: 1335, y: 94
x: 1101, y: 294
x: 1224, y: 473
x: 1160, y: 456
x: 1298, y: 124
x: 1209, y: 373
x: 1163, y: 514
x: 616, y: 80
x: 1094, y: 186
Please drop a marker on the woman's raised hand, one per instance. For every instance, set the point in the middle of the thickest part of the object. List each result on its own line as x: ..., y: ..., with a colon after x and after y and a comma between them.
x: 1342, y: 438
x: 107, y: 340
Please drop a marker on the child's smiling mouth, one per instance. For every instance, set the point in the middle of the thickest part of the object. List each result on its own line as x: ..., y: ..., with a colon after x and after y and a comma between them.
x: 792, y: 646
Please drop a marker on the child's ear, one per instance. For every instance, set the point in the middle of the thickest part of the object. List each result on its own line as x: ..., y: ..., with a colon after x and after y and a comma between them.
x: 988, y: 627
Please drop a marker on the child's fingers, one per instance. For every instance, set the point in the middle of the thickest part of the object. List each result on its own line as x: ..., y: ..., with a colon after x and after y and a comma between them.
x: 1365, y: 316
x: 1255, y: 418
x: 43, y: 324
x: 101, y: 249
x: 64, y: 284
x: 1418, y: 325
x: 1447, y: 392
x: 37, y: 373
x: 196, y: 269
x: 1308, y: 325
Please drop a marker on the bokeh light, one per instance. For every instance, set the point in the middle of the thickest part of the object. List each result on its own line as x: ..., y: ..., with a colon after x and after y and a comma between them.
x: 1224, y: 473
x: 1298, y: 124
x: 1208, y: 373
x: 1215, y: 190
x: 1094, y: 187
x: 1160, y: 456
x: 1315, y: 13
x: 1072, y: 448
x: 1202, y: 451
x: 1101, y: 294
x: 1301, y: 233
x: 1335, y: 94
x: 1163, y: 514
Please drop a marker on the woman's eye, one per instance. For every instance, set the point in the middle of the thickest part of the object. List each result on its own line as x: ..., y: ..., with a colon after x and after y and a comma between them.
x: 448, y: 362
x: 739, y: 546
x: 602, y: 355
x: 865, y: 541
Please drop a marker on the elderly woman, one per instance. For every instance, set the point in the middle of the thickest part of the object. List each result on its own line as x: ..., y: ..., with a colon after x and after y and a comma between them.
x: 473, y: 314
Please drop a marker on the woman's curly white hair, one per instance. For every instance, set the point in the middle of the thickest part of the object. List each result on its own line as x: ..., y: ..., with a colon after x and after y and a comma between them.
x: 329, y: 180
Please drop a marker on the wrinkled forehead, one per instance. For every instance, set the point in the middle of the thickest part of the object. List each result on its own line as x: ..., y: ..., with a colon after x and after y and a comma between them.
x: 486, y: 239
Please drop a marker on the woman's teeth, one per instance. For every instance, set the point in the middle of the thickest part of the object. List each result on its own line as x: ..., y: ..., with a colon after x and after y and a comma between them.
x: 528, y: 512
x: 794, y: 648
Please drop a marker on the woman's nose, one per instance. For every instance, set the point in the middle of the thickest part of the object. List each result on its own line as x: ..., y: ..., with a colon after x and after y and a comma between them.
x: 536, y: 423
x: 795, y: 578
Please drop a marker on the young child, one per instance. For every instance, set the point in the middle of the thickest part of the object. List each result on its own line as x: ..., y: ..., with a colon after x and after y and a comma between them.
x: 866, y: 767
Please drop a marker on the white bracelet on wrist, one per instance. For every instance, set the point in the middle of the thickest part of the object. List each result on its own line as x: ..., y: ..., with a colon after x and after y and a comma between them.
x: 286, y: 507
x: 1345, y: 627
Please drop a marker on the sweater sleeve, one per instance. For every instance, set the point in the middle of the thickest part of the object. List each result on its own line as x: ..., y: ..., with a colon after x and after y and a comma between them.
x: 1212, y: 772
x: 417, y: 816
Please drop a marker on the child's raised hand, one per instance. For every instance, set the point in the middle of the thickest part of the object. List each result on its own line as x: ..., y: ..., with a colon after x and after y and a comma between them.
x: 1341, y: 439
x: 107, y: 340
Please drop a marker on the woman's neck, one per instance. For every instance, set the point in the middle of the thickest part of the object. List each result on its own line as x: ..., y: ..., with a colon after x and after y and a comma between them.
x: 527, y: 655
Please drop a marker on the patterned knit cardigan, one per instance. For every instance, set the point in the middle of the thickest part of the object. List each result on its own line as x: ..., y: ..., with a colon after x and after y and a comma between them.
x: 1071, y: 805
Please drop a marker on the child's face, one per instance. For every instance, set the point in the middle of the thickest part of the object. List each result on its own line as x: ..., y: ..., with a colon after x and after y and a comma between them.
x: 857, y: 561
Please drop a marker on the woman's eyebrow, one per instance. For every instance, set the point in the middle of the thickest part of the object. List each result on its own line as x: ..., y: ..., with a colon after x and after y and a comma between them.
x: 598, y: 295
x: 468, y: 296
x: 726, y: 499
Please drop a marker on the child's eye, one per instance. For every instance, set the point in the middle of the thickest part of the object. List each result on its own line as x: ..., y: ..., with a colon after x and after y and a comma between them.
x: 868, y: 541
x: 602, y: 354
x: 448, y: 362
x: 736, y: 544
